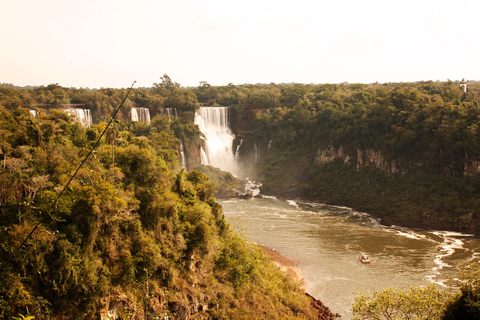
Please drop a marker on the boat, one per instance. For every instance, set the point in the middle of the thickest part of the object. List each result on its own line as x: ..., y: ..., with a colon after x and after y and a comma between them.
x: 364, y: 259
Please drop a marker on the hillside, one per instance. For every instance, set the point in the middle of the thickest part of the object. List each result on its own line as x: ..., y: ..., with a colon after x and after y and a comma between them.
x: 132, y: 236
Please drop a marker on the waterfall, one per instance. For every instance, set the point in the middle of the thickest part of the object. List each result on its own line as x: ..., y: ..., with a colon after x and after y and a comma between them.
x: 203, y: 155
x: 217, y: 149
x: 141, y: 115
x: 256, y: 152
x: 170, y: 113
x: 237, y: 152
x: 82, y: 116
x: 33, y: 113
x: 269, y: 144
x: 182, y: 156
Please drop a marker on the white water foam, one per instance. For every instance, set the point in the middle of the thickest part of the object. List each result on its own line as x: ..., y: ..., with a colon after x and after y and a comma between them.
x: 252, y: 187
x: 270, y: 197
x: 410, y: 234
x: 446, y: 248
x: 293, y: 203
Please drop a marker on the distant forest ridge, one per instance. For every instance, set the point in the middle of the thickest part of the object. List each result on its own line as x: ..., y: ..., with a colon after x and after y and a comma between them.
x: 29, y: 87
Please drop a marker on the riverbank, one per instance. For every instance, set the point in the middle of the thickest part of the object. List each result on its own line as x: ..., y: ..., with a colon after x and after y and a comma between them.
x: 410, y: 201
x: 284, y: 264
x: 288, y: 266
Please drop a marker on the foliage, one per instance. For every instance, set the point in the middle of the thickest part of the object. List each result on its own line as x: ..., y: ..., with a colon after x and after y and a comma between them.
x: 101, y: 102
x: 227, y: 185
x: 22, y: 317
x: 415, y: 144
x: 129, y: 223
x: 406, y: 152
x: 466, y: 305
x: 425, y: 302
x: 392, y: 303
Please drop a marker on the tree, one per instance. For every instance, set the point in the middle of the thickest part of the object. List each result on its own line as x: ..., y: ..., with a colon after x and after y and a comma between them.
x: 112, y: 137
x: 167, y: 83
x: 182, y: 99
x: 293, y: 94
x: 392, y: 303
x: 5, y: 147
x: 203, y: 85
x: 466, y: 305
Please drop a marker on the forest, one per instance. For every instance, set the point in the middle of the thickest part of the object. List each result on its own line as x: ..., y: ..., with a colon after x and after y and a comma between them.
x: 136, y: 233
x: 404, y: 152
x: 133, y: 235
x: 407, y: 153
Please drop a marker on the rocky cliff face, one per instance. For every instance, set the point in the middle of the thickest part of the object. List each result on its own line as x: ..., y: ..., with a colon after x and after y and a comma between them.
x: 374, y: 158
x: 192, y: 156
x: 359, y: 159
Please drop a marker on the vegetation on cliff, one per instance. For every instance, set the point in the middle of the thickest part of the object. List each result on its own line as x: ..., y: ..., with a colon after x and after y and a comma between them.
x: 405, y: 152
x: 131, y: 235
x: 460, y: 301
x: 227, y: 185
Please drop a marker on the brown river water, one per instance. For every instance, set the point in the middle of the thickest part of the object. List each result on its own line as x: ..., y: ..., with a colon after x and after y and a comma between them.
x: 326, y: 242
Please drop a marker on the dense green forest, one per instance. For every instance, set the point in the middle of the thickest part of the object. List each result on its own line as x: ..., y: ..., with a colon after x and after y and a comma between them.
x: 133, y: 234
x: 405, y: 152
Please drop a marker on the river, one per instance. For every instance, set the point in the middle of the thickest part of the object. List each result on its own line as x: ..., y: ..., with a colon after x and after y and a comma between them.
x: 326, y: 242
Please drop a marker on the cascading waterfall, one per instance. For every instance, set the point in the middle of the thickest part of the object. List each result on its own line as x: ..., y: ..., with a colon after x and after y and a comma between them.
x: 170, y: 113
x: 203, y: 155
x: 237, y: 152
x: 256, y: 152
x: 141, y: 115
x: 33, y: 113
x: 182, y: 156
x: 83, y: 116
x: 217, y: 149
x: 269, y: 144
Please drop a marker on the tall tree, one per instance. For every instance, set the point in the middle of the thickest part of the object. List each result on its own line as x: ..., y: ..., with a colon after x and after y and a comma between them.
x: 167, y: 83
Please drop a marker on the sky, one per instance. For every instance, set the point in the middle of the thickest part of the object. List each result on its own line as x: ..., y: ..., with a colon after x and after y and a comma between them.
x: 112, y: 43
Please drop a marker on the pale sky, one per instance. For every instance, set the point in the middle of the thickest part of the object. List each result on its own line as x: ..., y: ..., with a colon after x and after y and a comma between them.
x: 111, y: 43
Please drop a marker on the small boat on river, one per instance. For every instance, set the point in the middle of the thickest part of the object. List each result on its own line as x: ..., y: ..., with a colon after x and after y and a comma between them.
x: 364, y: 259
